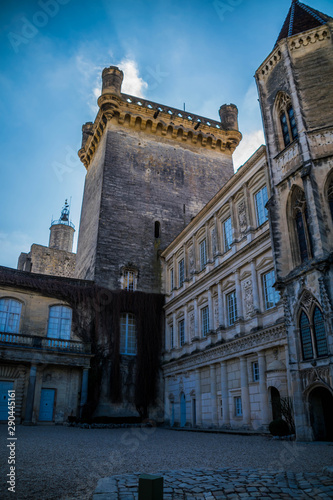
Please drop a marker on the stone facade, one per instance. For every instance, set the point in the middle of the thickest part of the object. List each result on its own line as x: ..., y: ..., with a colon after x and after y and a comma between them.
x: 225, y: 341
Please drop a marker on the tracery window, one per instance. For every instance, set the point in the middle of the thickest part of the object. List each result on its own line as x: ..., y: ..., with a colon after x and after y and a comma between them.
x: 286, y: 115
x: 10, y: 313
x: 60, y: 322
x: 313, y: 335
x: 300, y: 216
x: 127, y: 334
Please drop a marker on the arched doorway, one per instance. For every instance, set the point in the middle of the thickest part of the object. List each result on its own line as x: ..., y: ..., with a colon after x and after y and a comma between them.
x: 275, y: 403
x: 321, y: 413
x: 182, y: 410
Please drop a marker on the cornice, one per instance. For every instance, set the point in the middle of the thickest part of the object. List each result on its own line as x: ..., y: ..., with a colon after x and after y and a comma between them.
x: 147, y: 116
x: 251, y: 344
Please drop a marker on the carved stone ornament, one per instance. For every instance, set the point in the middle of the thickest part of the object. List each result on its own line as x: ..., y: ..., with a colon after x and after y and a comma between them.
x: 248, y: 297
x: 191, y: 259
x: 324, y: 297
x: 307, y: 299
x: 242, y: 216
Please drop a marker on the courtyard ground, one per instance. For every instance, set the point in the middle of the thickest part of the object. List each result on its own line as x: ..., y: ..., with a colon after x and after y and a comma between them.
x: 56, y: 462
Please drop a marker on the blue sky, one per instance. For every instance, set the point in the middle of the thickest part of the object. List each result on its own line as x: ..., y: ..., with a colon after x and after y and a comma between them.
x: 201, y: 53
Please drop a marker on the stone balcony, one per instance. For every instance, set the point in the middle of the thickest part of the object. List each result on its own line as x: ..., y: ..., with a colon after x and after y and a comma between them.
x: 18, y: 347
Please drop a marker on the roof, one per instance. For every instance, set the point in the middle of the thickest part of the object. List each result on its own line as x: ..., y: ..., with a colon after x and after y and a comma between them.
x: 301, y: 18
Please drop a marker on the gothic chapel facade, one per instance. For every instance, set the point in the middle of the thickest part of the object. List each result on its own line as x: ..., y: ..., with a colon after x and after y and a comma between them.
x: 242, y: 262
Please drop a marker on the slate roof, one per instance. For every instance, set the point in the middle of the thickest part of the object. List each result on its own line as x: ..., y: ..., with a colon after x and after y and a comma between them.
x: 301, y: 18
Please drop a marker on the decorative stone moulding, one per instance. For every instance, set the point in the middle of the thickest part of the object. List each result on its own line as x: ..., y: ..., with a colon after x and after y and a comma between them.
x: 270, y: 63
x: 311, y: 38
x: 134, y: 112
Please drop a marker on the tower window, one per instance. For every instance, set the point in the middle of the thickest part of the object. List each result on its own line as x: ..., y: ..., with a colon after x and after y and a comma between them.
x: 157, y: 229
x: 129, y: 280
x: 127, y: 334
x: 284, y: 113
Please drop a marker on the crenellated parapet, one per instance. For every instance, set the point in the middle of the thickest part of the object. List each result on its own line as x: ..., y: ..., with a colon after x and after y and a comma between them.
x: 153, y: 118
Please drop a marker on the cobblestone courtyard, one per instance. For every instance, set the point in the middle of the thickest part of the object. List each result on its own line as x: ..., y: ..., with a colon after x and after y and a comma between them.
x: 55, y: 462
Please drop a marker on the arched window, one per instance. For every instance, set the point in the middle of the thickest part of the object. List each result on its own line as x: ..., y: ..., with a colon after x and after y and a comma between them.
x: 330, y: 197
x: 301, y: 224
x: 285, y: 113
x: 313, y: 335
x: 127, y: 334
x: 60, y: 322
x: 10, y: 313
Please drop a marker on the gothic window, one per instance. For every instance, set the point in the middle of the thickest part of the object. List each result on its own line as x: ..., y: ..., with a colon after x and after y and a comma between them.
x: 10, y: 313
x: 286, y: 117
x: 261, y: 199
x: 60, y: 322
x: 181, y: 332
x: 232, y: 308
x: 127, y: 334
x: 301, y: 224
x: 271, y: 295
x: 330, y: 197
x: 203, y: 255
x: 181, y: 272
x: 204, y: 321
x: 313, y: 335
x: 227, y: 234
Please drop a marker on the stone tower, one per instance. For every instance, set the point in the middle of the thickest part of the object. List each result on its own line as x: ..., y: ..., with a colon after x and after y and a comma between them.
x: 62, y: 231
x: 295, y: 86
x: 150, y: 169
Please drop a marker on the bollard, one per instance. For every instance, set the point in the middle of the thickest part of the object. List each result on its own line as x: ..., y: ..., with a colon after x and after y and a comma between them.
x: 150, y: 487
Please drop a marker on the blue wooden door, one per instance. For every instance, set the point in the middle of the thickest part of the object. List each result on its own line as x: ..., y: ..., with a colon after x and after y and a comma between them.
x: 182, y: 410
x: 4, y: 388
x: 46, y: 405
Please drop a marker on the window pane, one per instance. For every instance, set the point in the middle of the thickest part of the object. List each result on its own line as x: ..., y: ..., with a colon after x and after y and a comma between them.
x: 306, y: 337
x: 272, y: 296
x: 129, y: 281
x: 203, y: 256
x: 232, y: 308
x: 181, y: 268
x: 127, y: 334
x: 204, y: 321
x: 301, y: 236
x: 238, y: 406
x: 261, y: 199
x: 181, y: 328
x: 10, y: 313
x: 227, y: 231
x: 293, y: 125
x: 285, y: 130
x: 255, y: 371
x: 60, y: 322
x: 320, y: 334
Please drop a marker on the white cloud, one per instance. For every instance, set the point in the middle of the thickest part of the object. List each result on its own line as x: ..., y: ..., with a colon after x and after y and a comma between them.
x: 249, y: 144
x: 11, y: 245
x: 133, y: 84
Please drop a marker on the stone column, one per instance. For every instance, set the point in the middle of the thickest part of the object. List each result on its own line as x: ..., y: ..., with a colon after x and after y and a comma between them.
x: 196, y: 322
x: 213, y: 394
x: 245, y: 392
x: 264, y: 402
x: 84, y: 388
x: 30, y: 394
x: 175, y: 333
x: 225, y: 394
x: 186, y: 325
x: 220, y: 302
x: 210, y: 310
x: 198, y: 411
x: 256, y: 301
x: 239, y: 296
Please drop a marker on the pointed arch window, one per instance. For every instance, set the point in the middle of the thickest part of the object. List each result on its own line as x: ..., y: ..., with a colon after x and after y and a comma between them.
x: 301, y: 224
x: 285, y: 113
x: 313, y: 334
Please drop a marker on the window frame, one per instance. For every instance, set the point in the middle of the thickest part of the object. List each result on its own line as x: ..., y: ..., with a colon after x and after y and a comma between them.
x: 11, y: 314
x: 172, y: 279
x: 61, y: 334
x: 129, y: 279
x: 126, y: 334
x: 203, y: 254
x: 267, y: 289
x: 308, y: 334
x: 181, y: 332
x: 255, y: 371
x: 181, y: 272
x: 231, y: 320
x: 226, y: 244
x: 238, y: 407
x: 204, y: 321
x: 259, y: 215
